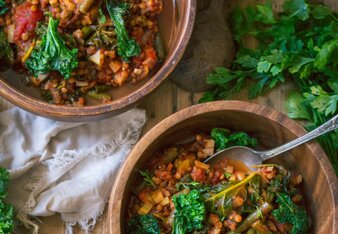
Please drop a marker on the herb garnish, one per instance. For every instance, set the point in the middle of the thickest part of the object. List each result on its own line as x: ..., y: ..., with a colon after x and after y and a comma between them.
x: 147, y: 178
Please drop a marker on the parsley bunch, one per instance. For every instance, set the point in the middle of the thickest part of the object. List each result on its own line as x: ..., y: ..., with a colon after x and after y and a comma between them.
x: 300, y: 43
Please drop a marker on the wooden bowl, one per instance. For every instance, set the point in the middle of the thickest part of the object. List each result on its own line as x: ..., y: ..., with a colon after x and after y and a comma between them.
x: 270, y: 127
x: 175, y: 23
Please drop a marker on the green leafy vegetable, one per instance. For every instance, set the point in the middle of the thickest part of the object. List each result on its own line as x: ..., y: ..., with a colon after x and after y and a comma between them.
x: 313, y: 107
x: 3, y: 7
x: 6, y: 52
x: 224, y: 139
x: 143, y: 224
x: 301, y: 43
x: 297, y: 8
x: 189, y: 213
x: 204, y: 190
x: 41, y: 28
x: 221, y: 203
x: 102, y: 17
x: 148, y: 178
x: 102, y: 36
x: 126, y: 47
x: 52, y: 54
x: 288, y: 212
x: 6, y: 210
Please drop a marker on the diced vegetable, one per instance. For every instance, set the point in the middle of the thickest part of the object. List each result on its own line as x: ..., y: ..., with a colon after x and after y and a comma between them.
x: 202, y: 165
x: 10, y: 33
x: 25, y: 20
x: 260, y: 228
x: 157, y: 196
x: 145, y: 209
x: 165, y: 201
x: 115, y: 66
x: 182, y: 164
x: 262, y: 210
x: 102, y: 88
x: 97, y: 58
x: 85, y: 5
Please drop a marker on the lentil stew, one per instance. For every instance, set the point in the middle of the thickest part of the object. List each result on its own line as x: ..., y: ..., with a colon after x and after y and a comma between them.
x: 77, y: 50
x: 181, y: 194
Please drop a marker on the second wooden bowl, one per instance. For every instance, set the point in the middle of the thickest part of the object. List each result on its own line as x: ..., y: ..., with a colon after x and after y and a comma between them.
x: 175, y: 24
x: 270, y: 127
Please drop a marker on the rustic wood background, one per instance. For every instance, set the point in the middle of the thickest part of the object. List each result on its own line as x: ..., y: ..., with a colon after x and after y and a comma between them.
x: 164, y: 101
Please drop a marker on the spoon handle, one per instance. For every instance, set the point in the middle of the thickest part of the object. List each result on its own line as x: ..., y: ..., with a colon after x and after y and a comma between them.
x: 329, y: 126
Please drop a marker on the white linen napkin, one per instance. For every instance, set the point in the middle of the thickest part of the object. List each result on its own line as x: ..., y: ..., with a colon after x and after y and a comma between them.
x: 61, y: 167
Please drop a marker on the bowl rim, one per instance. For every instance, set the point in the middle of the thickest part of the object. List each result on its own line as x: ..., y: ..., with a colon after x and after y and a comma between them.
x: 40, y: 107
x: 295, y: 128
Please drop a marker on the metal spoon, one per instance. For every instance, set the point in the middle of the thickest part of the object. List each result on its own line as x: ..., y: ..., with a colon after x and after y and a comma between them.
x: 252, y: 157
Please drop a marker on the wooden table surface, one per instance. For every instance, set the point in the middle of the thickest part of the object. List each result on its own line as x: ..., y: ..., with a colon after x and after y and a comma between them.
x: 164, y: 101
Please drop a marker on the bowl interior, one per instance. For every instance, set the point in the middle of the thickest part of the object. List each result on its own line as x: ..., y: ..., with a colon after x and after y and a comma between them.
x: 270, y: 133
x: 175, y: 24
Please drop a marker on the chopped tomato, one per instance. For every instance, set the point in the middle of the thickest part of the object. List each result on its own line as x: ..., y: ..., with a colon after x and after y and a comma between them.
x: 150, y: 52
x: 198, y: 174
x: 25, y: 20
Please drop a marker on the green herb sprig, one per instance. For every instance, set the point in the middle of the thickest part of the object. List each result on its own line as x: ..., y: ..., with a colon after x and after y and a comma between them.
x: 148, y: 178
